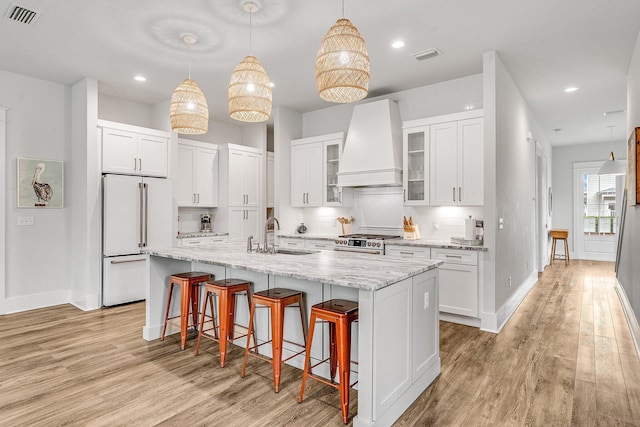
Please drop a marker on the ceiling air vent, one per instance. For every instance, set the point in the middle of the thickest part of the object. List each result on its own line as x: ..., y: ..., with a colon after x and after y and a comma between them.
x: 22, y: 14
x: 426, y: 54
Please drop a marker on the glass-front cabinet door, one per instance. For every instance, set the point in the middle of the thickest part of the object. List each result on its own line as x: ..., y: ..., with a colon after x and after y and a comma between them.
x: 415, y: 162
x: 332, y: 155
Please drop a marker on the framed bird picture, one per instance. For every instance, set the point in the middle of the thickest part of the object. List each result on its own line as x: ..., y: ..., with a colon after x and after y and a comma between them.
x: 40, y: 183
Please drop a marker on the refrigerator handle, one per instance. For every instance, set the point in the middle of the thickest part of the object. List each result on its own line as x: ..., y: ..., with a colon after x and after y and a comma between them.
x: 146, y: 213
x: 140, y: 240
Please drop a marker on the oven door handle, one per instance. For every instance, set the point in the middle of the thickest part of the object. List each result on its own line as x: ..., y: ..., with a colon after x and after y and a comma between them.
x: 357, y: 251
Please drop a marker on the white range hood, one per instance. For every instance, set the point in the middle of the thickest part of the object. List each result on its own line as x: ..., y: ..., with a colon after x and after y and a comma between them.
x: 372, y: 154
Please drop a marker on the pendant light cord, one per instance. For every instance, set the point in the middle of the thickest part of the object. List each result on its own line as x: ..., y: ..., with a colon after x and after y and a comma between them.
x: 343, y: 8
x: 250, y: 25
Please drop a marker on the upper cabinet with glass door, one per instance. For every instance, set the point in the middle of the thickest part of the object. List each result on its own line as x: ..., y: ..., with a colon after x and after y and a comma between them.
x: 416, y: 163
x: 332, y: 194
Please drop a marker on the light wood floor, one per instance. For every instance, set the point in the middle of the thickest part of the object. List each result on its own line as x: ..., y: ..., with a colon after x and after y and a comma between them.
x: 565, y: 358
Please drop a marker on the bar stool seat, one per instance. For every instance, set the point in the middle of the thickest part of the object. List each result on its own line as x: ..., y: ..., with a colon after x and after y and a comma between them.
x: 276, y: 299
x: 558, y: 234
x: 226, y: 291
x: 340, y: 314
x: 189, y: 295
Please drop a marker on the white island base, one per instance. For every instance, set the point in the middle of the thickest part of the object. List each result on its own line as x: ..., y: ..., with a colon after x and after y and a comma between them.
x: 396, y: 341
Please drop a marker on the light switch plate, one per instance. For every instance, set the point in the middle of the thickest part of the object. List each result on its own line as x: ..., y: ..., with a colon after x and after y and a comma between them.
x: 25, y: 220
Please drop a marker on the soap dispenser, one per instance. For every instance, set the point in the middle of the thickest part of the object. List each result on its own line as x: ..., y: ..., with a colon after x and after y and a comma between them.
x: 302, y: 228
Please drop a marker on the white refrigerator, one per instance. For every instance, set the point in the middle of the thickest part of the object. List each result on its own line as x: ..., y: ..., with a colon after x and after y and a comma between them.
x: 136, y: 213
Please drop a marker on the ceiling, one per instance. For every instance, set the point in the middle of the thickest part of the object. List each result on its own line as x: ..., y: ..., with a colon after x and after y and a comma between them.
x: 547, y: 45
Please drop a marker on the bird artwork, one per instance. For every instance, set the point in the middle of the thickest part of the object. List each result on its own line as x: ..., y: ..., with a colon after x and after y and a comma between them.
x: 42, y: 189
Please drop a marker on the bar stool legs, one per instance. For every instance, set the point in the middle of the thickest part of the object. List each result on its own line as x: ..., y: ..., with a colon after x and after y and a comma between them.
x: 226, y: 291
x: 276, y: 299
x: 340, y: 314
x: 189, y: 296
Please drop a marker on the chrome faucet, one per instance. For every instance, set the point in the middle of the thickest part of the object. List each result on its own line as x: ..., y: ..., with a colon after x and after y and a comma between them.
x: 271, y: 220
x: 249, y: 243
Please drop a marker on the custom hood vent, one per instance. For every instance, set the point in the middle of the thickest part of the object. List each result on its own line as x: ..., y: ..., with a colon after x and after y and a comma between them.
x: 22, y: 14
x: 372, y: 154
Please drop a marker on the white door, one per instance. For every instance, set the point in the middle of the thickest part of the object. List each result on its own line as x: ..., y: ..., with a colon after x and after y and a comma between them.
x: 119, y: 151
x: 157, y: 230
x: 314, y: 173
x: 237, y: 196
x: 444, y: 164
x: 299, y: 175
x: 122, y: 213
x: 595, y: 216
x: 152, y: 155
x: 124, y: 279
x: 471, y: 164
x: 185, y: 192
x: 252, y: 173
x: 206, y: 178
x: 543, y: 208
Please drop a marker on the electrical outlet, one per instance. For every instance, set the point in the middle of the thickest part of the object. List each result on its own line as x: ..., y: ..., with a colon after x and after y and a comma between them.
x: 509, y: 281
x: 25, y: 220
x: 500, y: 223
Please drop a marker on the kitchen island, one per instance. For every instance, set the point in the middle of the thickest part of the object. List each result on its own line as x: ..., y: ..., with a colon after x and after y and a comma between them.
x: 396, y: 340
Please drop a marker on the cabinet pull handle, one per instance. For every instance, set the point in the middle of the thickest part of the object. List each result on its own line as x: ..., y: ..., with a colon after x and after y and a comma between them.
x: 140, y: 164
x: 454, y: 193
x: 193, y: 198
x: 459, y: 194
x: 198, y: 197
x: 404, y: 195
x: 128, y: 260
x: 406, y: 253
x: 135, y: 164
x: 453, y: 256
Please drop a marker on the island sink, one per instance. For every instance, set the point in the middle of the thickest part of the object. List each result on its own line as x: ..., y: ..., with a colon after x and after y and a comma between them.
x: 295, y: 251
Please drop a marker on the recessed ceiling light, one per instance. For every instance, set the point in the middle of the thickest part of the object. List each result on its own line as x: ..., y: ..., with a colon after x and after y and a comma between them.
x: 571, y: 89
x: 557, y: 130
x: 140, y: 78
x: 397, y: 44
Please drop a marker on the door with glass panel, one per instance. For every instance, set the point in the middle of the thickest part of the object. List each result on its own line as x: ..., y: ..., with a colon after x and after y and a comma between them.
x: 596, y: 212
x: 416, y: 160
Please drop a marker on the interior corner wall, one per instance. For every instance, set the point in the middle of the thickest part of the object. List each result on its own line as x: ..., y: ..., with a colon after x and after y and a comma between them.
x: 124, y: 111
x: 287, y: 125
x: 513, y: 246
x: 629, y: 267
x: 37, y: 127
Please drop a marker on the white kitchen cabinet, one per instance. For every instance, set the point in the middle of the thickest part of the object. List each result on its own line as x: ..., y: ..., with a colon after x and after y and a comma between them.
x: 242, y: 168
x: 314, y: 171
x: 457, y: 163
x: 133, y: 150
x: 425, y: 313
x: 188, y: 242
x: 290, y: 243
x: 458, y: 281
x: 407, y: 251
x: 306, y: 174
x: 197, y: 174
x: 244, y: 222
x: 415, y: 159
x: 319, y: 244
x: 270, y: 181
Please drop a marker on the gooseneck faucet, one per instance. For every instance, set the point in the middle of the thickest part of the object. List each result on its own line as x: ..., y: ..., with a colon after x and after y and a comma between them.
x: 271, y: 220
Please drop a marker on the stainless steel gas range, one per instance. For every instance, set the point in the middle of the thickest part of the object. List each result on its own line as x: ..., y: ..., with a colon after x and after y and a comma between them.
x: 363, y: 243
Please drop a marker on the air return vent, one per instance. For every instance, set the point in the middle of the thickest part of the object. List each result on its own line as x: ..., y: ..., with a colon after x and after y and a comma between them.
x: 426, y: 54
x: 22, y: 14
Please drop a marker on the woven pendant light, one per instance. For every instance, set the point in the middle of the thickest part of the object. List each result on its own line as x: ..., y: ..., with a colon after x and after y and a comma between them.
x: 249, y: 92
x: 189, y: 112
x: 342, y: 64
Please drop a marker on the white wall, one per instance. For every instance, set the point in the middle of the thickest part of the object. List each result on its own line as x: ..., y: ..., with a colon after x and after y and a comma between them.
x: 510, y: 161
x: 37, y: 127
x: 629, y: 268
x: 124, y: 111
x: 563, y: 159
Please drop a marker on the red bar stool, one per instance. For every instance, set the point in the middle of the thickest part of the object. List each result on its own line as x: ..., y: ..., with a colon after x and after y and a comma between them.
x: 226, y: 291
x: 276, y: 299
x: 340, y: 314
x: 189, y: 294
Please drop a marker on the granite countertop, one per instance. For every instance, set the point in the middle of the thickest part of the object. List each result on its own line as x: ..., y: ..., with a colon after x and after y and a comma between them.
x: 200, y: 234
x: 362, y: 271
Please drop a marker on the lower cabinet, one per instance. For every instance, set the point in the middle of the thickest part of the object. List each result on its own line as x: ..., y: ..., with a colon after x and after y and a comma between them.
x: 312, y: 244
x: 406, y: 319
x: 458, y: 281
x: 188, y: 242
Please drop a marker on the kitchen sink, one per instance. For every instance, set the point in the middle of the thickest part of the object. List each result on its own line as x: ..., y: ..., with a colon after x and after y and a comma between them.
x: 295, y: 251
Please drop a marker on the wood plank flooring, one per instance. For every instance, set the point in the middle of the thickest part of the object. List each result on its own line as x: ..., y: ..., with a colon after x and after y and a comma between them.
x: 565, y: 358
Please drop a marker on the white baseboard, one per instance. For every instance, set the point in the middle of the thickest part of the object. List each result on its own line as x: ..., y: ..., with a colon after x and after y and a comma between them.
x: 494, y: 322
x: 632, y: 320
x: 32, y: 302
x: 463, y: 320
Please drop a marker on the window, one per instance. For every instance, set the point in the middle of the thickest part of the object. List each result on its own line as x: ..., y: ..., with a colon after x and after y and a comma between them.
x: 599, y: 204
